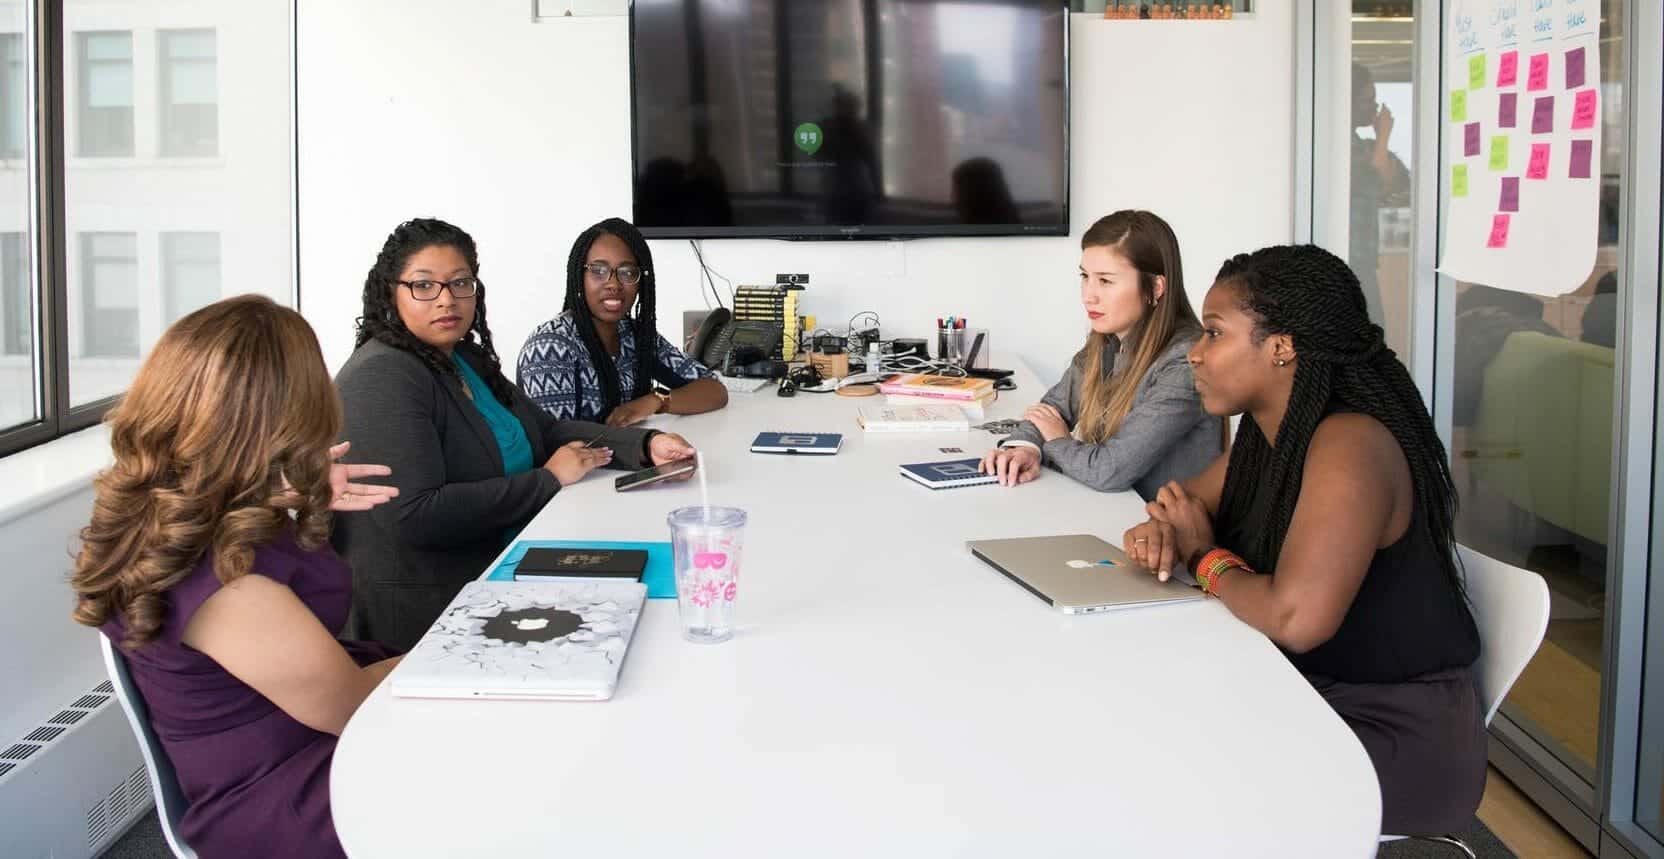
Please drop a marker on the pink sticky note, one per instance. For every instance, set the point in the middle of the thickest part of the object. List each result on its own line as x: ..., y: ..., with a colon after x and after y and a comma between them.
x: 1470, y: 139
x: 1499, y: 231
x: 1508, y: 69
x: 1507, y: 109
x: 1574, y: 68
x: 1537, y: 77
x: 1538, y: 166
x: 1583, y: 110
x: 1542, y: 115
x: 1583, y: 153
x: 1510, y: 194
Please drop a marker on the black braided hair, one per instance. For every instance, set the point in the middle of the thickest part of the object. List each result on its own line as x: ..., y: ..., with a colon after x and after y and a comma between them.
x: 1341, y: 365
x: 645, y: 324
x: 381, y: 312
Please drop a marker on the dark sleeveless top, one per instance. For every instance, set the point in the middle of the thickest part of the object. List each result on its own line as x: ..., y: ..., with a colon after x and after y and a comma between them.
x: 1406, y: 621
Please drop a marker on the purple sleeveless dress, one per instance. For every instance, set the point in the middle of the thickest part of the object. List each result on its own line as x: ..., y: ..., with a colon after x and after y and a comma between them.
x: 256, y: 780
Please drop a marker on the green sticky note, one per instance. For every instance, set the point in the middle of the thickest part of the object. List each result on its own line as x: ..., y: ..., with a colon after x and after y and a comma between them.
x: 1459, y: 180
x: 1458, y: 105
x: 1476, y: 71
x: 1499, y: 152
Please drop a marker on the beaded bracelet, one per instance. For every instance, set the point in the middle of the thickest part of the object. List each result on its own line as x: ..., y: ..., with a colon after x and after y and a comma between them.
x: 1214, y: 564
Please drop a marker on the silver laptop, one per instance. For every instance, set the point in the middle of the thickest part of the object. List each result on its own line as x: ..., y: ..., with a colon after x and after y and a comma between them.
x: 1079, y: 573
x: 562, y: 641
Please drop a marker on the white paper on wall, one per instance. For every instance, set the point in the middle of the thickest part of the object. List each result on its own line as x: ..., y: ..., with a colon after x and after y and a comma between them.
x: 1522, y: 113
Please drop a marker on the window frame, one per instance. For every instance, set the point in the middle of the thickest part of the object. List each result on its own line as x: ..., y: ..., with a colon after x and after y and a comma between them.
x: 46, y: 53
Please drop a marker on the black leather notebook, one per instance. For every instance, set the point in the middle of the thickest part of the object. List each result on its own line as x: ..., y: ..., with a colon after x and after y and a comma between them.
x: 546, y: 564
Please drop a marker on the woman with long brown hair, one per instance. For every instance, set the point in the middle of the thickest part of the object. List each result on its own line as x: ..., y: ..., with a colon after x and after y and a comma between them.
x: 1126, y: 414
x: 207, y: 561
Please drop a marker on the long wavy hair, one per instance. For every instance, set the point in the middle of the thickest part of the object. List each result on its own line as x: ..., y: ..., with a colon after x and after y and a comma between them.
x: 1342, y: 364
x: 644, y: 318
x: 221, y: 444
x: 380, y: 320
x: 1149, y: 244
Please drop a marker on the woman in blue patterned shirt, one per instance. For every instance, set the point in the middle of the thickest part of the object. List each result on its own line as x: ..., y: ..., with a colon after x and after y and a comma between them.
x: 587, y: 363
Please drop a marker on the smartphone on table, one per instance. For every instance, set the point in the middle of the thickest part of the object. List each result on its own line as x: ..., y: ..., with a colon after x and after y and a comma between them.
x: 649, y: 476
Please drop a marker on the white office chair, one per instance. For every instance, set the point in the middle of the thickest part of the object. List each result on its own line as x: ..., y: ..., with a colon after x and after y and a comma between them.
x: 164, y: 783
x: 1510, y: 605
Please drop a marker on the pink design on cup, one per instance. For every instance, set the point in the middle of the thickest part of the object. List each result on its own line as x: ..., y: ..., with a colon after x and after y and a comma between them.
x: 710, y: 560
x: 705, y: 593
x: 728, y: 592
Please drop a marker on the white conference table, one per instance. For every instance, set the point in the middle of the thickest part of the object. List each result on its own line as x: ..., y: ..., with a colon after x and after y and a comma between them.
x: 886, y: 693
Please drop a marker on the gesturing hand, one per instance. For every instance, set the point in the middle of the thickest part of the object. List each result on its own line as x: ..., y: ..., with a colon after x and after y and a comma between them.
x: 346, y: 496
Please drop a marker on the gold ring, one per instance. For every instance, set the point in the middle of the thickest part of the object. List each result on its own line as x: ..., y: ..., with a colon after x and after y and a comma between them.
x: 1142, y: 540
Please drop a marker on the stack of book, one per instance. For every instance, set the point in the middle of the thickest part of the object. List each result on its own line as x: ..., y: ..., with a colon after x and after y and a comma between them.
x: 973, y: 396
x: 778, y: 304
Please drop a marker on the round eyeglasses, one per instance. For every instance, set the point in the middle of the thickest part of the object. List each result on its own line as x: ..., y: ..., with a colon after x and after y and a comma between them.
x: 428, y: 290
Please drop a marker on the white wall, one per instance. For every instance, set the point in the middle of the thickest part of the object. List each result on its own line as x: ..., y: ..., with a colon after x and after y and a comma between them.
x: 519, y: 133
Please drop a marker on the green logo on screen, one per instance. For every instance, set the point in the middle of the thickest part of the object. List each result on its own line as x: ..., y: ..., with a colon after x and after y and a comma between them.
x: 808, y: 138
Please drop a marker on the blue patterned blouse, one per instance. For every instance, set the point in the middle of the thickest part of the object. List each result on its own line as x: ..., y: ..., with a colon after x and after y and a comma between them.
x: 555, y: 371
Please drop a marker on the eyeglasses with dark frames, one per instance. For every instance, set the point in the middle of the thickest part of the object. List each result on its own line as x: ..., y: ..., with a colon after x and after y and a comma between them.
x: 628, y: 275
x: 428, y: 290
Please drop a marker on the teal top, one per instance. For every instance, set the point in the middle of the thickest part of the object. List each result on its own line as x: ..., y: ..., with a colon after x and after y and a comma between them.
x: 511, y: 435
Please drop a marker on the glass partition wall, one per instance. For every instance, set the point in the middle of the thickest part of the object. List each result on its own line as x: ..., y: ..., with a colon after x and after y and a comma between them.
x: 1546, y: 402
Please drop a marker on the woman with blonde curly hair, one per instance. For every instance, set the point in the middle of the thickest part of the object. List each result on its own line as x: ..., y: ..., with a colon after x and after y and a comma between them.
x: 207, y: 560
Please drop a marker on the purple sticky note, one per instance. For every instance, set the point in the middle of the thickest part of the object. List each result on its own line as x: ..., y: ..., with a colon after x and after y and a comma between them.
x: 1499, y: 231
x: 1542, y: 115
x: 1510, y: 194
x: 1507, y: 109
x: 1537, y: 78
x: 1583, y: 152
x: 1574, y: 68
x: 1508, y: 69
x: 1537, y: 168
x: 1470, y: 139
x: 1584, y: 109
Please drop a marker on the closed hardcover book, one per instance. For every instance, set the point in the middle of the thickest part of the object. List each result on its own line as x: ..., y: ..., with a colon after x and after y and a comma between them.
x: 938, y: 387
x: 948, y: 474
x: 551, y: 564
x: 976, y: 410
x: 942, y: 418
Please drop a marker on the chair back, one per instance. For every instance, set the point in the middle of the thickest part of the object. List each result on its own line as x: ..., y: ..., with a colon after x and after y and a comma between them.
x: 164, y: 782
x: 1510, y: 606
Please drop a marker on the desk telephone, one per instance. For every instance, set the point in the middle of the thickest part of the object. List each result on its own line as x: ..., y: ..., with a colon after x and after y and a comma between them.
x: 738, y: 347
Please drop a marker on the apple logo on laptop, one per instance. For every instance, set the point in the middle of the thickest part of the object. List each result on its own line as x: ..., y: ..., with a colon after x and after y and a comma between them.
x: 532, y: 625
x: 1081, y: 565
x: 528, y: 624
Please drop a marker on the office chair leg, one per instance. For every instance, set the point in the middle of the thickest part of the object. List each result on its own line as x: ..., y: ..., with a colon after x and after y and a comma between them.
x: 1451, y: 840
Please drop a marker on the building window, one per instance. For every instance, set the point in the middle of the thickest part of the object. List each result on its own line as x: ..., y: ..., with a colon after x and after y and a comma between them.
x: 110, y: 295
x: 190, y: 95
x: 105, y: 66
x: 17, y: 336
x: 190, y: 272
x: 14, y: 97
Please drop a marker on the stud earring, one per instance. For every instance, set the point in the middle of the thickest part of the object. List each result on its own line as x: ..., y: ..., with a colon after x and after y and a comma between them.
x: 1280, y: 362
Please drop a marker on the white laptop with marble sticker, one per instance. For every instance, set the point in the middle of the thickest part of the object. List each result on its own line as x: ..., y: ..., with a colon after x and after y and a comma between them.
x: 525, y: 641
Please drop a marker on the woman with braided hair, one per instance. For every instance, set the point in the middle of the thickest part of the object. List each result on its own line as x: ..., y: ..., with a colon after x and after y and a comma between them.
x: 1328, y: 527
x: 602, y: 358
x: 473, y: 458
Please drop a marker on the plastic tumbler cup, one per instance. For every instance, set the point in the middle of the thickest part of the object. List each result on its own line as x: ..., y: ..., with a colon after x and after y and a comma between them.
x: 705, y: 543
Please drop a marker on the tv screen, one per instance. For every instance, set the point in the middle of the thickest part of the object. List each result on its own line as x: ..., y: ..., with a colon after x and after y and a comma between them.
x: 850, y: 118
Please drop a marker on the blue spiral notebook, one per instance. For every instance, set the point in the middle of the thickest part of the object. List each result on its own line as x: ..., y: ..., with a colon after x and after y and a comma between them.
x: 659, y: 576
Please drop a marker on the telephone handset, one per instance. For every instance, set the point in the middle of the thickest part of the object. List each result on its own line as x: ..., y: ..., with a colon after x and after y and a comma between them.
x: 729, y: 346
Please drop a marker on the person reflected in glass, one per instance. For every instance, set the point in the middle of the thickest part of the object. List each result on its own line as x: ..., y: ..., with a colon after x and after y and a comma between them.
x: 1379, y: 180
x: 602, y: 358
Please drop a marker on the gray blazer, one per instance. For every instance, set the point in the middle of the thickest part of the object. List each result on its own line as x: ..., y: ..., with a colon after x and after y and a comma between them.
x: 456, y: 510
x: 1165, y: 436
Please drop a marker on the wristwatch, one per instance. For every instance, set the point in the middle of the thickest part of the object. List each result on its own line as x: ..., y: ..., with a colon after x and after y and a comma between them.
x: 664, y: 398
